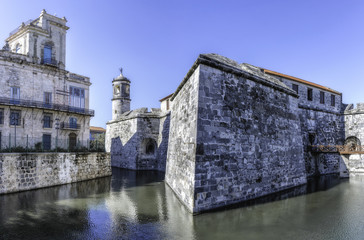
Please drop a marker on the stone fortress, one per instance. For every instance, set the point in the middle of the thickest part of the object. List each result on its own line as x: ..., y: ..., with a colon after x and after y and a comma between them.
x: 233, y: 132
x: 137, y: 139
x: 41, y: 103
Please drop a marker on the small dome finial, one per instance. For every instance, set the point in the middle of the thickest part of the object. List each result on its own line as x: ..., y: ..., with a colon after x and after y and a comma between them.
x: 121, y: 70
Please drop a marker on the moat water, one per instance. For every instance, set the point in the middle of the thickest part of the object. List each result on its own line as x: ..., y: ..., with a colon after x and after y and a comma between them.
x: 138, y: 205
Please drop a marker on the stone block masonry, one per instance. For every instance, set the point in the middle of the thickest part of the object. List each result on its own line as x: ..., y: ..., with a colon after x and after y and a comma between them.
x: 181, y: 153
x: 138, y: 140
x: 20, y: 172
x: 233, y: 136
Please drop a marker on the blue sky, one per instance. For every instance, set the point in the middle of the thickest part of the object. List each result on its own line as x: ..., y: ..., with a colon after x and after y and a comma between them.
x: 156, y: 42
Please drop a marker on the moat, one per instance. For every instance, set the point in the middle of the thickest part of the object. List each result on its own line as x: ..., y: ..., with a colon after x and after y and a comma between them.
x: 138, y: 205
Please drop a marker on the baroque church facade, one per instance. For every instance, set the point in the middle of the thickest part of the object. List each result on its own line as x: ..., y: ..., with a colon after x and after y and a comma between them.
x: 42, y: 105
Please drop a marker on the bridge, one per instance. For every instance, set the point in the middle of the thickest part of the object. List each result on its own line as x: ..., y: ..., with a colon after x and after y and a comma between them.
x: 341, y: 149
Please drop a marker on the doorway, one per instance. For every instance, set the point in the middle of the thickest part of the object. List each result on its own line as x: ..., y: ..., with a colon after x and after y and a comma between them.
x: 72, y: 141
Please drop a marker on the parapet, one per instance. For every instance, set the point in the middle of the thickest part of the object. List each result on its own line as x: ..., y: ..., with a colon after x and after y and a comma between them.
x: 14, y: 57
x: 358, y: 109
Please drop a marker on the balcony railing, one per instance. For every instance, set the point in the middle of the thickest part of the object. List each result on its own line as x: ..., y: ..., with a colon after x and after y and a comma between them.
x: 44, y: 105
x: 18, y: 28
x: 70, y: 126
x: 49, y: 61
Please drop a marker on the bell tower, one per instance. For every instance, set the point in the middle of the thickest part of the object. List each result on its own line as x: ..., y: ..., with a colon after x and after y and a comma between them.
x: 121, y: 95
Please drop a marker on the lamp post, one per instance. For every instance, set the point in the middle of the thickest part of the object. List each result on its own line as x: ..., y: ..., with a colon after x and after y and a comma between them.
x: 57, y: 128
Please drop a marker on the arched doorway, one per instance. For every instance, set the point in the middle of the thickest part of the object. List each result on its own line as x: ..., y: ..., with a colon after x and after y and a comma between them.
x: 72, y: 141
x: 149, y: 147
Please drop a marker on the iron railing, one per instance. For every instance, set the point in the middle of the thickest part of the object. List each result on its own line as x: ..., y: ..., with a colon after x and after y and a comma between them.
x: 71, y: 126
x: 18, y: 28
x: 12, y: 143
x: 45, y: 105
x: 49, y: 61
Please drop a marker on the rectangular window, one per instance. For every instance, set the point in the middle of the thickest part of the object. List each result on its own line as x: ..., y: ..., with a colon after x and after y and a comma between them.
x: 322, y: 97
x: 46, y: 142
x: 82, y: 98
x: 47, y: 98
x: 47, y: 54
x: 15, y: 95
x: 333, y: 100
x: 15, y: 118
x: 309, y: 94
x: 47, y: 121
x: 1, y: 116
x: 77, y: 97
x: 295, y: 88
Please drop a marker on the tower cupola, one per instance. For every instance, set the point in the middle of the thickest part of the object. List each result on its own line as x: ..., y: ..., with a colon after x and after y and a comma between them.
x: 121, y: 95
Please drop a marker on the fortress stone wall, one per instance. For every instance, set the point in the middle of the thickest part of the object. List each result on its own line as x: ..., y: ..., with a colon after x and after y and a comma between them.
x: 233, y: 132
x: 138, y: 140
x: 240, y: 136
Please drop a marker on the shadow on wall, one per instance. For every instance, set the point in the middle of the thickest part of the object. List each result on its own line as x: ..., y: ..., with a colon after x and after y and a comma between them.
x: 141, y: 152
x: 163, y: 146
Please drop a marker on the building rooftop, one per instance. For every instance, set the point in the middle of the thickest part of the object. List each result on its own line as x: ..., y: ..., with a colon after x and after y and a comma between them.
x: 300, y: 80
x: 36, y: 24
x: 263, y: 75
x: 170, y: 95
x: 97, y: 129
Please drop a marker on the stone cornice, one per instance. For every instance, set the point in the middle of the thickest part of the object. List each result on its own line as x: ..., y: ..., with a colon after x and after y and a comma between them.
x: 59, y: 25
x: 78, y: 81
x: 25, y: 29
x: 354, y: 112
x: 140, y: 115
x: 23, y: 59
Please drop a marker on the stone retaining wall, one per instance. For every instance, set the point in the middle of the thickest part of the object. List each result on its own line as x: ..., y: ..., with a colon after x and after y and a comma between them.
x: 26, y: 171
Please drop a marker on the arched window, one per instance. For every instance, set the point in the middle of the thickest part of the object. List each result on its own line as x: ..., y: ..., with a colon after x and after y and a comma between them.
x: 17, y: 48
x: 117, y: 90
x: 126, y: 90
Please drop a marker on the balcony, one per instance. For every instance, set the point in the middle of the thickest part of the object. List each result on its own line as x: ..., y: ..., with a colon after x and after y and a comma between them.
x: 44, y: 105
x: 50, y: 62
x: 70, y: 126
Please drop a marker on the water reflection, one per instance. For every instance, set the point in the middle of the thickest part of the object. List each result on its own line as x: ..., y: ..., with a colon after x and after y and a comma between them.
x: 138, y: 205
x: 44, y: 213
